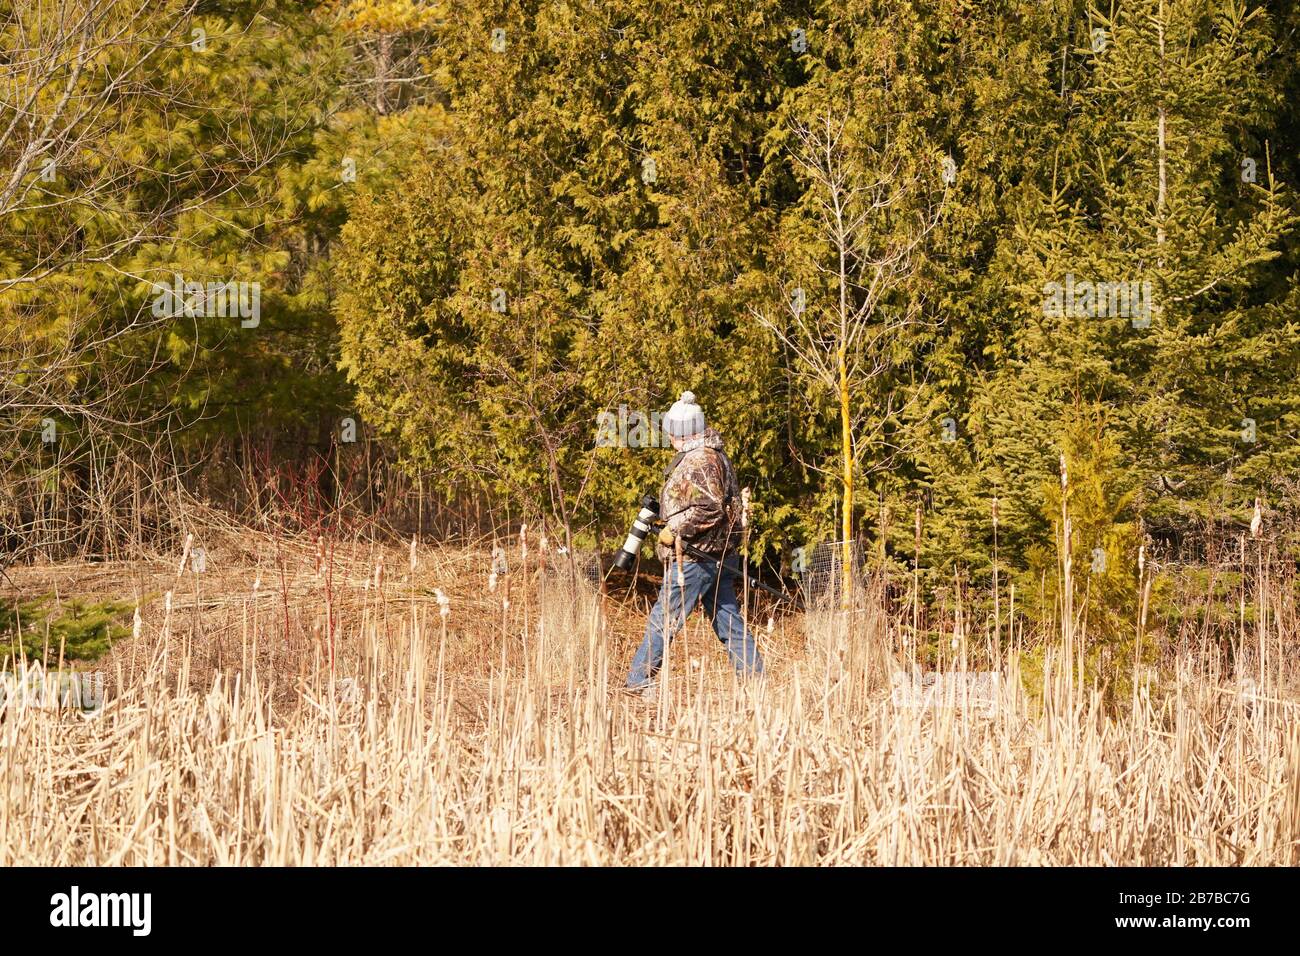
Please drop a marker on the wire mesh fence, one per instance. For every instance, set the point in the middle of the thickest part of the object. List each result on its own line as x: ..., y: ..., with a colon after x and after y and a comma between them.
x: 586, y: 566
x: 820, y: 567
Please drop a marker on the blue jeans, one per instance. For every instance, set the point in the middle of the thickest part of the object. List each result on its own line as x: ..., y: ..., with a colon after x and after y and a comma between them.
x: 706, y: 583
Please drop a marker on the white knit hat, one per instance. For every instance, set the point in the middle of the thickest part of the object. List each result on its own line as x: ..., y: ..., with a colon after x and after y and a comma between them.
x: 685, y: 418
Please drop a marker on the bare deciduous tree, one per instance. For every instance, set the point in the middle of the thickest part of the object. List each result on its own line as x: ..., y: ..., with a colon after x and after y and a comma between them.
x: 873, y: 218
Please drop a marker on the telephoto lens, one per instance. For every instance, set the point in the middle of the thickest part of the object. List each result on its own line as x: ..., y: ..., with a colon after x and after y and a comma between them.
x: 636, y: 537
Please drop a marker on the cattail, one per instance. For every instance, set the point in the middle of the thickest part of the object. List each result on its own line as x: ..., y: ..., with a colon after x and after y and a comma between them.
x: 1065, y: 481
x: 379, y: 572
x: 1142, y: 559
x: 744, y: 507
x: 1257, y: 522
x: 136, y: 624
x: 185, y: 554
x: 544, y: 544
x: 505, y: 604
x: 444, y: 603
x: 413, y: 557
x: 771, y: 623
x: 523, y: 544
x: 492, y: 580
x: 499, y: 560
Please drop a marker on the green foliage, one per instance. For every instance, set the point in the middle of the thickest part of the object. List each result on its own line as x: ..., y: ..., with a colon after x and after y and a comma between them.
x: 75, y: 629
x: 1104, y: 535
x: 1065, y: 173
x: 1092, y: 517
x: 586, y: 233
x: 592, y: 207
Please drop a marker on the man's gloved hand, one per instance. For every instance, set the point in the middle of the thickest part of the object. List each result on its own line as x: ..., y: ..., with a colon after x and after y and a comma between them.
x: 666, y: 537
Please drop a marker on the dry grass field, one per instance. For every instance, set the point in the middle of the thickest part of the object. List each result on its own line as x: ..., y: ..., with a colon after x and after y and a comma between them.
x: 364, y: 705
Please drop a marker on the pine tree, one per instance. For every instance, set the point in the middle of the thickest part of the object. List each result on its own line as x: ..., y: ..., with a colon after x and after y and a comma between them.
x: 1148, y: 197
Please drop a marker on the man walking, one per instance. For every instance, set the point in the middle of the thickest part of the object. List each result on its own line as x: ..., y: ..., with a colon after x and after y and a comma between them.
x: 701, y: 505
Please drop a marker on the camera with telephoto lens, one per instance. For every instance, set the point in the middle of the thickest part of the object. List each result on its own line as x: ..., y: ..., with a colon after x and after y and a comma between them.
x: 641, y: 525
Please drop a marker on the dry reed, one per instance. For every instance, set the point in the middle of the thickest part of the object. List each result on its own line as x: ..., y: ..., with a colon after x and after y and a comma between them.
x: 447, y: 732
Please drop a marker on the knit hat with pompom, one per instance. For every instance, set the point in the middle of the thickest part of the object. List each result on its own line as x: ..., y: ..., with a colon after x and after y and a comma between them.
x: 685, y: 418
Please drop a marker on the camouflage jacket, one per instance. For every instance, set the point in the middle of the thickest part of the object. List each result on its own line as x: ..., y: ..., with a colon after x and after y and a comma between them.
x: 701, y: 499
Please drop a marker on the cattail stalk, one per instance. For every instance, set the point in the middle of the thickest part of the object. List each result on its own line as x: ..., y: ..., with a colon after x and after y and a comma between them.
x: 916, y: 583
x: 997, y: 591
x: 1067, y: 576
x: 744, y: 550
